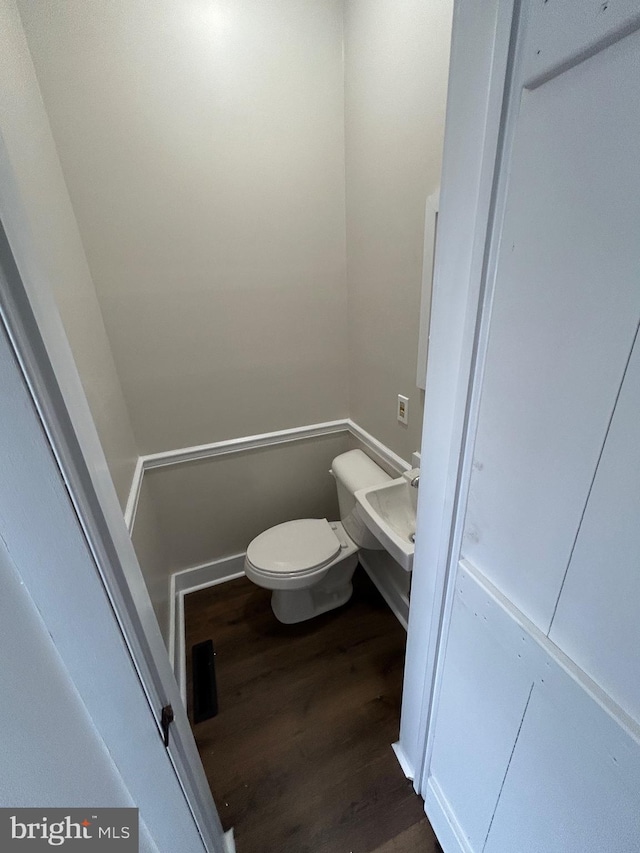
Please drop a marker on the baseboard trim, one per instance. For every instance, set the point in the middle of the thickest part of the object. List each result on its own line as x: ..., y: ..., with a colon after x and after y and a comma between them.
x: 403, y: 761
x: 226, y: 569
x: 182, y: 583
x: 398, y: 603
x: 254, y: 442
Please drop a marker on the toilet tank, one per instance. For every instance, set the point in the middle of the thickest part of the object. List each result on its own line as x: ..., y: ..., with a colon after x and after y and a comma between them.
x: 353, y: 471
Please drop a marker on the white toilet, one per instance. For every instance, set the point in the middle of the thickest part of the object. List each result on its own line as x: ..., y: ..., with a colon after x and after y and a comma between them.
x: 309, y: 563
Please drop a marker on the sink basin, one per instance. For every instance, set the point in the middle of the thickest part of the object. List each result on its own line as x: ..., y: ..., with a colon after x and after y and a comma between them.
x: 389, y: 511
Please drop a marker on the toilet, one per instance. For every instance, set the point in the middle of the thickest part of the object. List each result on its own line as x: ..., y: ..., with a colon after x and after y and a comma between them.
x: 309, y: 562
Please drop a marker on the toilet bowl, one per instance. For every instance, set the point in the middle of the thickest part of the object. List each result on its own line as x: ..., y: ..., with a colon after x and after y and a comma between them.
x: 309, y: 562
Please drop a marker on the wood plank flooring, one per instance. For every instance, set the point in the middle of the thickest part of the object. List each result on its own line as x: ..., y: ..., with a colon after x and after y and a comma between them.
x: 299, y: 758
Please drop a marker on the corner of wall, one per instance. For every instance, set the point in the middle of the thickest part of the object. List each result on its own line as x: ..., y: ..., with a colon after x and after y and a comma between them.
x: 396, y: 69
x: 43, y: 231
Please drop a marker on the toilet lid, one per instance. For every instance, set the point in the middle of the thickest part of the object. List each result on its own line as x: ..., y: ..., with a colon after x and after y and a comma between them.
x: 295, y: 546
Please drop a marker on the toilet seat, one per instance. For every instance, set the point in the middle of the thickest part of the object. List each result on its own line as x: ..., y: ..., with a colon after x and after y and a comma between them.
x: 308, y: 564
x: 294, y: 548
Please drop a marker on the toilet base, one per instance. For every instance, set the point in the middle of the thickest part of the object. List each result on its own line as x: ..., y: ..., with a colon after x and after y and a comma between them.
x: 297, y: 605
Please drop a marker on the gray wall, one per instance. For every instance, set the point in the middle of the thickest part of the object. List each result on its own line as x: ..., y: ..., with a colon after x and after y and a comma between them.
x: 210, y: 192
x: 34, y: 162
x: 203, y: 148
x: 396, y: 68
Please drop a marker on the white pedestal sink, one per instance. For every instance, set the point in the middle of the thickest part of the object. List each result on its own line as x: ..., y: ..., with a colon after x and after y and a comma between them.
x: 389, y: 511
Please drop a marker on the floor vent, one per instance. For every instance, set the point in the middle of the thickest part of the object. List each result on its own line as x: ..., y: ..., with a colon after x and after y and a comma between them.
x: 205, y: 692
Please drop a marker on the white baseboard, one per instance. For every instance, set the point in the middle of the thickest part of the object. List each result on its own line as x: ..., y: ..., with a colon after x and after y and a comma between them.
x: 375, y: 564
x: 403, y: 761
x: 446, y: 827
x: 229, y: 568
x: 182, y: 583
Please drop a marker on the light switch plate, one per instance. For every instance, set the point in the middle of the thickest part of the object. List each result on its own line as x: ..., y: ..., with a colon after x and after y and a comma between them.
x: 403, y: 409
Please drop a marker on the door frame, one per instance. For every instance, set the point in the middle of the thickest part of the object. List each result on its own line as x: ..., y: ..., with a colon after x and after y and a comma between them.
x: 475, y: 126
x: 29, y: 314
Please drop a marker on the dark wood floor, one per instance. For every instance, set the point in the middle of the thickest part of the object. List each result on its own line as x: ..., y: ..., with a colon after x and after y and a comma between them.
x: 299, y: 757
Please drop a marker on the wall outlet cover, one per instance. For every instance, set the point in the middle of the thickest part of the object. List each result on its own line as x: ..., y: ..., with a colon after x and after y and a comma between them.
x: 403, y: 409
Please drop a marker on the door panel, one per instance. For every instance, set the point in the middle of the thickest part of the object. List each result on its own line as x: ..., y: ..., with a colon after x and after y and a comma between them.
x: 563, y: 33
x: 565, y: 309
x: 484, y: 694
x: 597, y: 621
x: 564, y: 791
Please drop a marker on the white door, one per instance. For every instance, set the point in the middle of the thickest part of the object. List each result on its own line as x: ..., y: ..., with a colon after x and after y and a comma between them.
x: 534, y: 739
